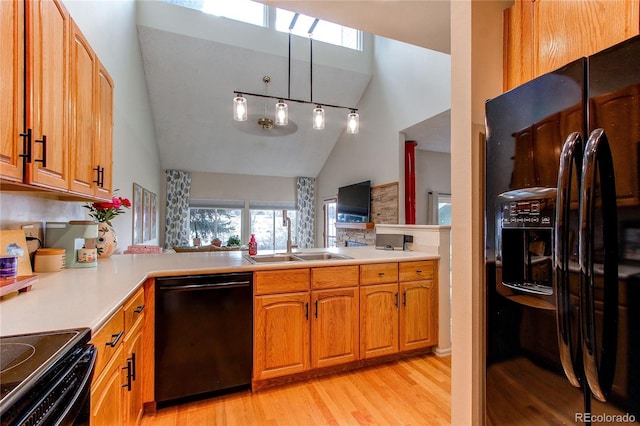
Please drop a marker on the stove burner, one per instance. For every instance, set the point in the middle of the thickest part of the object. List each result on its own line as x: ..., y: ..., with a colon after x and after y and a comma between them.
x: 14, y: 354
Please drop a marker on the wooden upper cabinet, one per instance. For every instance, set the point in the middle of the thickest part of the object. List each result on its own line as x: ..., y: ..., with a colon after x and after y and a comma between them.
x: 56, y: 103
x: 47, y: 92
x: 82, y: 83
x: 11, y: 89
x: 104, y: 130
x: 543, y: 35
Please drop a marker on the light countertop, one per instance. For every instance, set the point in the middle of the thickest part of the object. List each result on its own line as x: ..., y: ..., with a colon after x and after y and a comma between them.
x: 87, y: 297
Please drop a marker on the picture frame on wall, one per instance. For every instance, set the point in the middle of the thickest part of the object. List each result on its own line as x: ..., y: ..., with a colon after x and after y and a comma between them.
x: 146, y: 215
x: 138, y: 204
x: 154, y: 216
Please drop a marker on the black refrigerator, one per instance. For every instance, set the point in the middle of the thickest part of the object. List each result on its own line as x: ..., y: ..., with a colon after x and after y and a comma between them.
x: 562, y: 245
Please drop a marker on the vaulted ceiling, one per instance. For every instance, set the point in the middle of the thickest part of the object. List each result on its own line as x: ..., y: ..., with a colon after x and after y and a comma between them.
x: 191, y: 80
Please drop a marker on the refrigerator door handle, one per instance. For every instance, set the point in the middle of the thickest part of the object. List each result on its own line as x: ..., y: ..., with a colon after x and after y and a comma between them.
x: 570, y: 161
x: 599, y: 365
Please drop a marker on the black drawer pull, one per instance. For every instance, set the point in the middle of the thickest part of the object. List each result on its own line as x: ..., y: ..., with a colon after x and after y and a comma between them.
x: 116, y: 339
x: 139, y: 309
x: 381, y: 274
x: 418, y: 271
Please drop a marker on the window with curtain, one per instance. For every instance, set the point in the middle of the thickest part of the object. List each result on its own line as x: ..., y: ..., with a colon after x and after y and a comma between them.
x: 266, y: 224
x: 211, y: 219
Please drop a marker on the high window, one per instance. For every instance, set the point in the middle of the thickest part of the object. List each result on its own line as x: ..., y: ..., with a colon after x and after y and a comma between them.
x: 258, y: 14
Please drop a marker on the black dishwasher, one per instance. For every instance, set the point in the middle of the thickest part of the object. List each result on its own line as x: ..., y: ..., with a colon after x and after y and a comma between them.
x: 203, y: 335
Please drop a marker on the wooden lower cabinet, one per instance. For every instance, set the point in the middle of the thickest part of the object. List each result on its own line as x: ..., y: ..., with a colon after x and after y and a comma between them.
x: 378, y: 320
x: 116, y: 390
x: 418, y: 315
x: 334, y: 327
x: 133, y: 384
x: 281, y: 335
x: 107, y: 392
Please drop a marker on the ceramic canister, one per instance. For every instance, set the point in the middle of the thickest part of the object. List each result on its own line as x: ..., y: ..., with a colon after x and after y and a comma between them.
x: 8, y: 266
x: 49, y: 259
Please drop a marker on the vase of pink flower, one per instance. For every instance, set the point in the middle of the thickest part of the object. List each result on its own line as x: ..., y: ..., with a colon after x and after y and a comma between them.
x: 103, y: 212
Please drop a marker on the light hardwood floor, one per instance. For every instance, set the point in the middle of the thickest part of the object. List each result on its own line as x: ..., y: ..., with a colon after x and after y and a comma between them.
x: 413, y: 391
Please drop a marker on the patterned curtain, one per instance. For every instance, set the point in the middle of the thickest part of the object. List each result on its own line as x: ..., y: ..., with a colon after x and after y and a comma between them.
x: 305, y: 205
x: 177, y: 226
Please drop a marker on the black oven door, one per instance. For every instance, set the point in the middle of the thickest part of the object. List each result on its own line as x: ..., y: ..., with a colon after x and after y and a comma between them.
x: 62, y: 397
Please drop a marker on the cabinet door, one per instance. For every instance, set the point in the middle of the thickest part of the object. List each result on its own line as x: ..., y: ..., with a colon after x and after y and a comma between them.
x: 47, y: 91
x: 281, y: 335
x: 418, y: 315
x: 543, y: 35
x: 11, y: 89
x: 106, y: 392
x: 133, y: 357
x: 378, y: 320
x: 104, y: 137
x: 83, y: 175
x: 334, y: 327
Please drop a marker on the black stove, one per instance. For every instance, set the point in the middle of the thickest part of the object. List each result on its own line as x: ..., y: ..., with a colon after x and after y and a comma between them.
x: 45, y: 377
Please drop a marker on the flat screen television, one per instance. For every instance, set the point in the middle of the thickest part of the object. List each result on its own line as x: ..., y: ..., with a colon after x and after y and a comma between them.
x: 354, y: 202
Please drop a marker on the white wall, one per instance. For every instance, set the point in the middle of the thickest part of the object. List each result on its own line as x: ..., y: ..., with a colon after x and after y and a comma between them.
x: 110, y: 28
x: 225, y: 186
x: 433, y: 173
x: 409, y: 85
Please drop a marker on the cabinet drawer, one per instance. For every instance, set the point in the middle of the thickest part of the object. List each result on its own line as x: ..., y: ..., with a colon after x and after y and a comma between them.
x: 379, y: 273
x: 282, y: 281
x: 334, y: 277
x: 133, y: 310
x: 108, y: 340
x: 416, y: 271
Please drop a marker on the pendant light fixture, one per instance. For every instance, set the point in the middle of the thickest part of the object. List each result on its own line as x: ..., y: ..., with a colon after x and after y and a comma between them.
x: 282, y: 113
x: 281, y: 107
x: 240, y: 108
x: 353, y: 122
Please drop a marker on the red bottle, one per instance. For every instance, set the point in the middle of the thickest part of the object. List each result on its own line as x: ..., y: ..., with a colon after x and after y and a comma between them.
x: 253, y: 246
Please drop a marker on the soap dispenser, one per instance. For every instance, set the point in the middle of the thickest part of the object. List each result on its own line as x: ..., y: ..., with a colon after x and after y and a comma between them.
x: 253, y: 246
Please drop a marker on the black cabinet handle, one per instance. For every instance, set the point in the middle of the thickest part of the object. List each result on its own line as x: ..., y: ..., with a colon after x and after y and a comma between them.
x: 97, y: 170
x: 139, y: 309
x: 133, y: 366
x: 101, y: 178
x: 396, y: 300
x: 306, y: 310
x: 381, y: 274
x: 116, y: 339
x: 404, y: 298
x: 418, y: 271
x: 26, y: 146
x: 128, y: 368
x: 43, y: 160
x: 316, y: 309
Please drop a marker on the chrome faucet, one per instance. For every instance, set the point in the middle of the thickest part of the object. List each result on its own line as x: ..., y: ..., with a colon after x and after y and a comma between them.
x: 287, y: 222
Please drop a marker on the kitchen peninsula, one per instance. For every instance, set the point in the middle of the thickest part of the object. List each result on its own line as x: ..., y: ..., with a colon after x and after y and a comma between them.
x: 111, y: 298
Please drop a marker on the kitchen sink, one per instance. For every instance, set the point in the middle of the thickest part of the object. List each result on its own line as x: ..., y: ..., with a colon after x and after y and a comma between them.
x: 295, y: 257
x: 263, y: 258
x: 321, y: 256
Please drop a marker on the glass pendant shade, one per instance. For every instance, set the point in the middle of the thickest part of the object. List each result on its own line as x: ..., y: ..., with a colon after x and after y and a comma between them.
x: 282, y: 113
x: 353, y: 122
x: 318, y: 117
x: 239, y: 108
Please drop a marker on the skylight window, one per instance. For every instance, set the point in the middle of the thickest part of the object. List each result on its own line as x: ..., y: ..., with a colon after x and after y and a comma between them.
x: 255, y: 13
x: 246, y: 11
x: 327, y: 32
